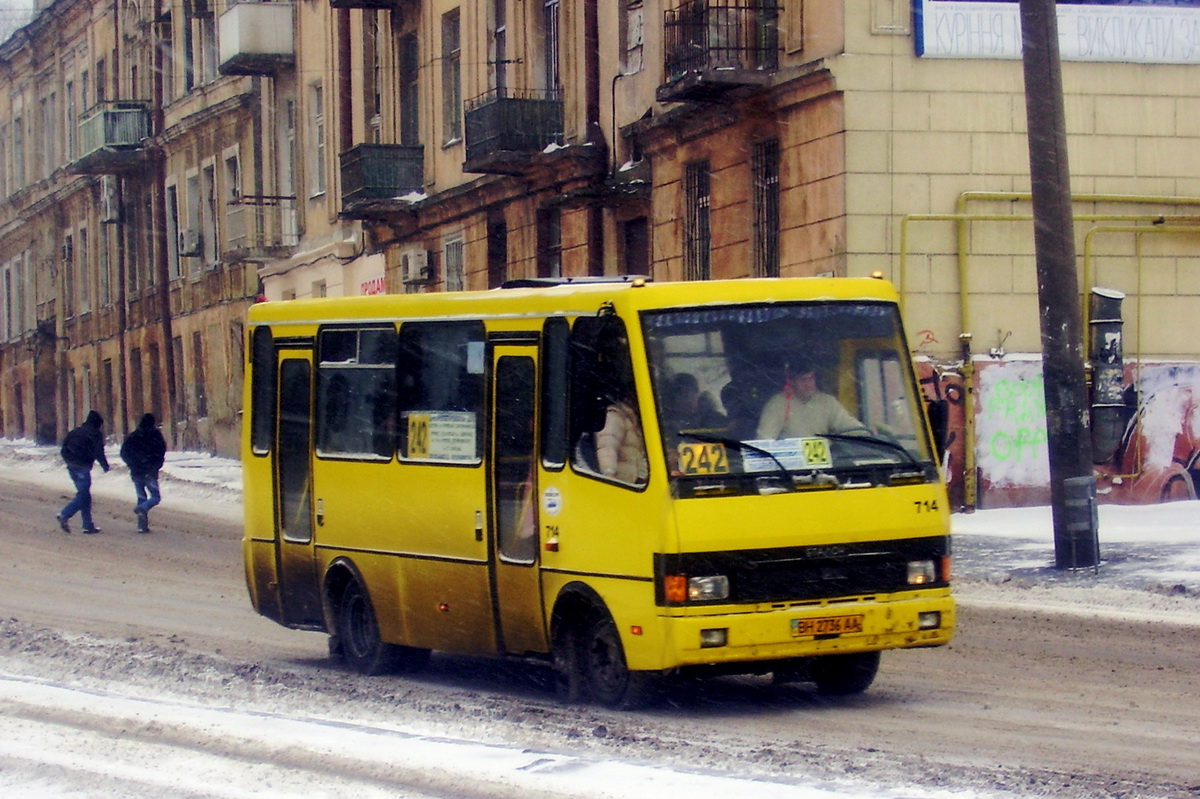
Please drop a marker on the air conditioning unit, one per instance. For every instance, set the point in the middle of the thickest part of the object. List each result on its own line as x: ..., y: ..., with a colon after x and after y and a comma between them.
x: 414, y: 265
x: 110, y: 208
x: 189, y: 242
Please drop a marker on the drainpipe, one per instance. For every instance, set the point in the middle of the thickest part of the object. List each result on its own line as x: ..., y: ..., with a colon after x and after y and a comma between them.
x: 595, y: 134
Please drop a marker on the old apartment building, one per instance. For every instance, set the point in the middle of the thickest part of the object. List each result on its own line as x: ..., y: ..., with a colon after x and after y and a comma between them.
x: 163, y: 165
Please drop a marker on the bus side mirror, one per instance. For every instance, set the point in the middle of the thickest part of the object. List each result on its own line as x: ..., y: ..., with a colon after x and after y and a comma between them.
x: 939, y: 422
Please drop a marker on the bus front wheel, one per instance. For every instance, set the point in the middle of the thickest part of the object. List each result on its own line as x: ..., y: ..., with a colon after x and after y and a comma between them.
x: 358, y: 633
x: 603, y: 670
x: 843, y: 675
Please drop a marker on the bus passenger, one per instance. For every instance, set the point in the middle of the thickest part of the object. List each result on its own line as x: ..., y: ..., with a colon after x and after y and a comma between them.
x: 801, y: 409
x: 620, y: 448
x: 689, y: 407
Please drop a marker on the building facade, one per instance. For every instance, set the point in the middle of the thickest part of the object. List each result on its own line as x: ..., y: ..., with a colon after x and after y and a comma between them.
x: 341, y: 147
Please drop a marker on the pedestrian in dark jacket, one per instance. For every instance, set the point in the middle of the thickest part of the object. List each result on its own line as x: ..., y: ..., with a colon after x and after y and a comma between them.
x: 143, y: 452
x: 82, y: 447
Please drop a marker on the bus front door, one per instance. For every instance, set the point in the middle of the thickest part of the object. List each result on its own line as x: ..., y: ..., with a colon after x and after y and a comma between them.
x: 299, y: 594
x: 514, y: 507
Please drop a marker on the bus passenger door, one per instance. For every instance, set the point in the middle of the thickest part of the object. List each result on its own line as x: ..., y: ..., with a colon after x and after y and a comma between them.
x: 299, y: 594
x: 514, y: 506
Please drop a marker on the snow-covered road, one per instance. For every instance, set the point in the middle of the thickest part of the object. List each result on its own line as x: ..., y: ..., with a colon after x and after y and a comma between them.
x: 133, y: 666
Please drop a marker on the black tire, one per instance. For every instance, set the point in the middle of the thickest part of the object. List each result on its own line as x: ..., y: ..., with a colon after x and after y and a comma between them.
x: 568, y: 677
x: 608, y: 680
x: 844, y: 675
x: 358, y: 633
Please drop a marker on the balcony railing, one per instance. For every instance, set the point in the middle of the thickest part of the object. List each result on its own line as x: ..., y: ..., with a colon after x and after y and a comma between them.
x: 259, y: 231
x: 256, y: 38
x: 112, y: 138
x: 375, y: 173
x: 507, y: 129
x: 716, y: 45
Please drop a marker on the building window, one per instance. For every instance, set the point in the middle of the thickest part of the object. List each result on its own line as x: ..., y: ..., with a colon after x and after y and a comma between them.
x: 166, y: 44
x: 764, y: 168
x: 373, y: 43
x: 549, y: 243
x: 497, y: 253
x: 317, y: 180
x: 68, y: 267
x: 71, y: 123
x: 410, y: 65
x: 18, y: 146
x: 208, y: 215
x: 451, y: 78
x: 635, y: 235
x: 189, y: 238
x: 631, y: 36
x: 697, y: 235
x: 455, y: 268
x: 83, y: 263
x: 104, y: 275
x: 550, y: 37
x: 137, y: 388
x: 499, y: 55
x: 198, y: 381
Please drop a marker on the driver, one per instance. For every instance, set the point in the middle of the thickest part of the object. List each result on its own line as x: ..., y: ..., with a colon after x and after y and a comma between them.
x: 801, y: 409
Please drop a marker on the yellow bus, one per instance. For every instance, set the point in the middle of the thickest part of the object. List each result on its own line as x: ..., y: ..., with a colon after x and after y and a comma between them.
x: 623, y: 479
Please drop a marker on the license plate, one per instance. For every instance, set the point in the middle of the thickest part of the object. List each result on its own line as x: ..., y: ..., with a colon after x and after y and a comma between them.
x: 827, y: 625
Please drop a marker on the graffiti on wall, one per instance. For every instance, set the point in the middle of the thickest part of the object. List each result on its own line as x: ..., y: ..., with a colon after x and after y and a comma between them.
x: 1159, y: 455
x: 1011, y: 425
x: 1158, y: 458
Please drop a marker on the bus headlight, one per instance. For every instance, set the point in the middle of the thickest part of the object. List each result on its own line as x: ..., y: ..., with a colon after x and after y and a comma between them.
x: 708, y: 589
x: 922, y: 572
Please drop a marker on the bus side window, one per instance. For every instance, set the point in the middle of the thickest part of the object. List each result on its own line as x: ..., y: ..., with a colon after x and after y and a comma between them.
x: 262, y: 390
x: 440, y: 391
x: 555, y: 439
x: 605, y: 424
x: 356, y: 389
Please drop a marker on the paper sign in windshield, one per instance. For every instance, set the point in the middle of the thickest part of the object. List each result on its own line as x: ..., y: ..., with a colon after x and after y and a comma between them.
x: 790, y: 453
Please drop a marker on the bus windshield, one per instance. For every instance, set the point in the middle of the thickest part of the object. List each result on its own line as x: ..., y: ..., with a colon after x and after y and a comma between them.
x: 786, y: 395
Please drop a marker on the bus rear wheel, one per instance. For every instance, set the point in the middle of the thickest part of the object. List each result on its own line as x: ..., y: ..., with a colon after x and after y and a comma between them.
x: 603, y: 670
x: 843, y: 675
x: 361, y: 646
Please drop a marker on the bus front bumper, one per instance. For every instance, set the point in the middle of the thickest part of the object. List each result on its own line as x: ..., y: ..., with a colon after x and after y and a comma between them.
x: 776, y: 632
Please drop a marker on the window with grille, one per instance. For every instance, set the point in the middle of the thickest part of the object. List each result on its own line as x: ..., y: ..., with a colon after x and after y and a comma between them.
x: 697, y: 233
x: 455, y: 279
x: 764, y: 166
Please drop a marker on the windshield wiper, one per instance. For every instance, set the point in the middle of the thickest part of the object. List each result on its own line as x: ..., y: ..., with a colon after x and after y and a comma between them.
x: 875, y: 441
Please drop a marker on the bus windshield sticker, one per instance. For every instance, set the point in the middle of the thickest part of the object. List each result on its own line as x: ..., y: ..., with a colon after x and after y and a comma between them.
x: 703, y: 459
x: 475, y: 361
x: 791, y: 453
x: 442, y: 436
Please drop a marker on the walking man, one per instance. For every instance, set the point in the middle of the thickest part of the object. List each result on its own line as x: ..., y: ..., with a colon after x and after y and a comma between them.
x: 82, y: 447
x: 143, y: 452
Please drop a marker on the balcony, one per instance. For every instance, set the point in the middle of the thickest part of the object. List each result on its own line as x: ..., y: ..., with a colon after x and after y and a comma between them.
x: 256, y: 39
x: 260, y: 229
x: 112, y: 138
x: 507, y: 131
x: 715, y: 46
x: 376, y: 176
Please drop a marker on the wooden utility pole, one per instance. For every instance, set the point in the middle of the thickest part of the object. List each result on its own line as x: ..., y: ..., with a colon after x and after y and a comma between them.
x: 1072, y: 482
